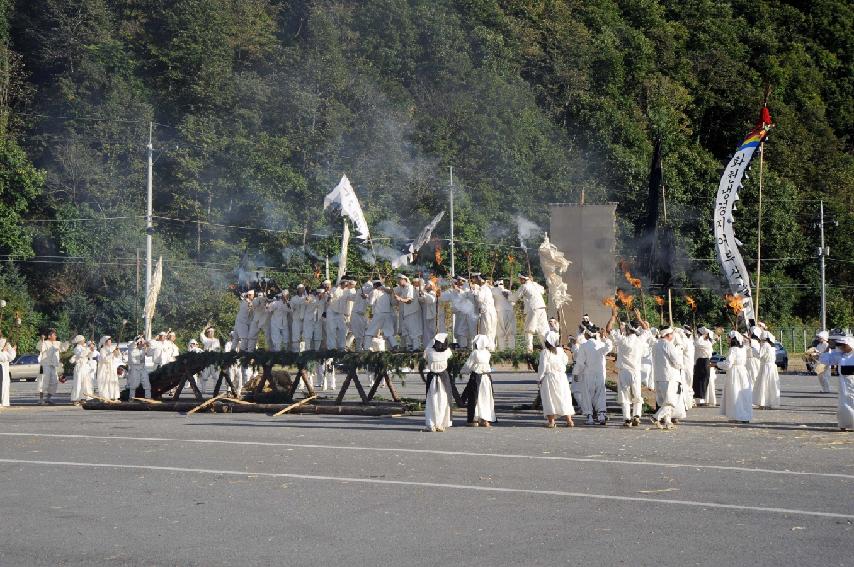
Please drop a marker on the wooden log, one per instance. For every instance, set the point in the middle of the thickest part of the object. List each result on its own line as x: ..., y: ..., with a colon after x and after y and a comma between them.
x: 318, y: 408
x: 206, y: 404
x: 148, y: 401
x: 292, y: 406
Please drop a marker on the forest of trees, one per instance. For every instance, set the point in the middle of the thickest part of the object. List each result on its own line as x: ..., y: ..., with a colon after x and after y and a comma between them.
x: 259, y: 107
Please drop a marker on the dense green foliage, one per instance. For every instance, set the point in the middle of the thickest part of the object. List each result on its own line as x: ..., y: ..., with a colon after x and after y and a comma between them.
x: 260, y: 106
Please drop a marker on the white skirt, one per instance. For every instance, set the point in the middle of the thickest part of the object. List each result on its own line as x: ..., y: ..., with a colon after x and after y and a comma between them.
x: 437, y: 412
x: 555, y: 395
x: 737, y: 402
x: 485, y: 408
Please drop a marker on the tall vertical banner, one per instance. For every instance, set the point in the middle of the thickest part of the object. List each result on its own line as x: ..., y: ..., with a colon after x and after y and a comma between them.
x: 151, y: 297
x: 727, y: 244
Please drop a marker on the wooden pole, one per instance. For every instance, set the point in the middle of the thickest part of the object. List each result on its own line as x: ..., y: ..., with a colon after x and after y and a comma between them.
x: 207, y: 403
x: 293, y: 406
x: 670, y: 306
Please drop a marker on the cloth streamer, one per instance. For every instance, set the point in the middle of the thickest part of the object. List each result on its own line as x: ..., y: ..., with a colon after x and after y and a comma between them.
x: 422, y: 239
x: 345, y: 197
x: 554, y: 265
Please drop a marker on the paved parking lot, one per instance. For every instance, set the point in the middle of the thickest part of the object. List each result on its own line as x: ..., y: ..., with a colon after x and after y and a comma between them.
x: 84, y: 487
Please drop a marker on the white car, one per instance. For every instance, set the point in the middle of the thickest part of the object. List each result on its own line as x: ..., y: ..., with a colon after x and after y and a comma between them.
x: 25, y: 368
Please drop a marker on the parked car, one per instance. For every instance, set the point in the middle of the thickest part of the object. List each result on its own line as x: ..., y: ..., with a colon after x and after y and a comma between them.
x: 782, y: 357
x: 717, y: 357
x: 25, y: 368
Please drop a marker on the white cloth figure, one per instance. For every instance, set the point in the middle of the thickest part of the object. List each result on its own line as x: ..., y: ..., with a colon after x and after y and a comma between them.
x: 590, y: 367
x: 766, y: 391
x: 382, y: 317
x: 737, y: 398
x: 647, y: 377
x: 83, y: 388
x: 235, y: 373
x: 487, y: 313
x: 105, y: 376
x: 155, y: 347
x: 686, y: 392
x: 280, y: 329
x: 667, y: 366
x: 437, y: 410
x: 505, y: 319
x: 536, y: 322
x: 630, y: 348
x: 479, y: 399
x: 209, y: 344
x: 7, y: 355
x: 554, y: 385
x: 137, y: 372
x: 845, y: 361
x: 410, y: 314
x: 823, y: 375
x: 463, y: 313
x: 244, y: 319
x: 49, y: 353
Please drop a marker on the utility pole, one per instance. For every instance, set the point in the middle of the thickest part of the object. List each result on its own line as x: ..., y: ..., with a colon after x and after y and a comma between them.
x: 822, y: 252
x: 451, y: 192
x: 149, y: 227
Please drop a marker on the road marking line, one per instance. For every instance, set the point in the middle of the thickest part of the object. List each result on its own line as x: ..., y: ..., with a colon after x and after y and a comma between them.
x: 344, y: 479
x: 430, y: 452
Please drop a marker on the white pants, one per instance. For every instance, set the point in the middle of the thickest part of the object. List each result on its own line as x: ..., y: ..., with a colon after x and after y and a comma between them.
x: 325, y: 375
x: 279, y: 338
x: 296, y: 334
x: 138, y: 377
x: 5, y: 385
x: 711, y: 394
x: 462, y: 329
x: 358, y: 327
x: 535, y: 323
x: 669, y: 398
x: 48, y: 381
x: 505, y: 334
x: 242, y: 332
x: 824, y: 379
x: 336, y: 331
x: 596, y: 394
x: 429, y: 331
x: 384, y: 322
x: 413, y: 326
x: 629, y: 393
x: 488, y: 323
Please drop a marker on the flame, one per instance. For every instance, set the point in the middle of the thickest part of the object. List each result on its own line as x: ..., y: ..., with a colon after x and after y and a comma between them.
x: 609, y: 302
x: 625, y: 298
x: 437, y: 255
x: 636, y: 283
x: 434, y: 279
x: 510, y: 258
x: 735, y: 302
x: 692, y: 303
x: 659, y: 300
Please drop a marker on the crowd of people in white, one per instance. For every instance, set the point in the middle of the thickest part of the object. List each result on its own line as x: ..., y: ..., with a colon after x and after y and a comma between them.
x: 675, y: 362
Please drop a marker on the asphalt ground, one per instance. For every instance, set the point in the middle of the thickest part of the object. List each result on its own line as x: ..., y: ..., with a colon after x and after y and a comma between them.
x: 82, y: 487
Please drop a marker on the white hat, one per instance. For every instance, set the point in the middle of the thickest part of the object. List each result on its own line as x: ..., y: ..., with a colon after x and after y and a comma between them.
x: 499, y: 283
x: 300, y: 286
x: 768, y: 335
x: 78, y: 339
x: 162, y: 333
x: 737, y: 336
x: 481, y: 342
x: 665, y: 331
x: 248, y: 291
x: 524, y: 277
x: 326, y: 282
x: 845, y: 340
x: 104, y: 340
x: 193, y: 342
x: 553, y: 338
x: 441, y: 337
x: 702, y: 330
x: 824, y: 335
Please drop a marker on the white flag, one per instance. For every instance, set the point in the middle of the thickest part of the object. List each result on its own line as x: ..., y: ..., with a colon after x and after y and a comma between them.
x: 554, y: 265
x: 344, y: 196
x: 151, y: 296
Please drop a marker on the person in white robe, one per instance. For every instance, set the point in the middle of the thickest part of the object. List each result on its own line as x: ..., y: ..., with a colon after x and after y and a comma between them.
x: 462, y: 310
x: 297, y: 303
x: 359, y: 317
x: 629, y: 342
x: 704, y: 343
x: 106, y: 377
x: 170, y: 348
x: 83, y: 388
x: 553, y: 382
x: 337, y: 304
x: 478, y: 396
x: 766, y: 391
x: 260, y: 322
x: 429, y: 314
x: 752, y: 349
x: 536, y: 322
x: 843, y: 357
x: 437, y: 410
x: 235, y: 373
x: 487, y: 321
x: 647, y: 377
x: 280, y: 327
x: 137, y: 372
x: 737, y: 397
x: 50, y: 350
x: 7, y: 355
x: 244, y: 319
x: 411, y: 321
x: 590, y: 370
x: 209, y: 343
x: 822, y: 373
x: 382, y: 316
x: 667, y: 362
x: 505, y: 317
